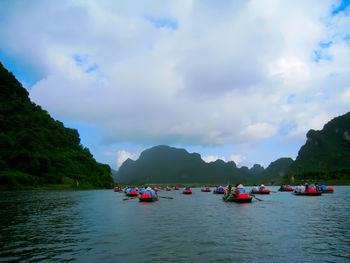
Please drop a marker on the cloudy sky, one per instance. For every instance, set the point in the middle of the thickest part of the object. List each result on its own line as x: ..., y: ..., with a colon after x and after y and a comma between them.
x: 236, y: 80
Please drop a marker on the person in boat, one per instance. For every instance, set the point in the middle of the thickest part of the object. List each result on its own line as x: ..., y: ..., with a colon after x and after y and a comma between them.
x: 255, y: 188
x: 306, y: 187
x: 262, y: 188
x: 187, y: 188
x: 323, y: 187
x: 142, y: 190
x: 150, y: 191
x: 298, y: 188
x: 229, y: 192
x: 312, y: 187
x: 239, y: 190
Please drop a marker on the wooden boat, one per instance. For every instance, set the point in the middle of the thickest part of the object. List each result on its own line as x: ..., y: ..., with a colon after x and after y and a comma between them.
x: 131, y: 193
x: 264, y: 192
x: 329, y: 190
x: 205, y: 189
x: 289, y: 189
x: 187, y: 192
x: 217, y: 191
x: 243, y: 199
x: 308, y: 193
x: 148, y: 198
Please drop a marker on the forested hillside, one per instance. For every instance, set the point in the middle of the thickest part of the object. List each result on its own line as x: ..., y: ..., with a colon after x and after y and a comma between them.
x: 37, y: 150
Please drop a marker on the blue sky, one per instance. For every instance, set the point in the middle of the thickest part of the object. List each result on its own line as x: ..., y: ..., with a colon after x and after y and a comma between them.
x: 235, y: 80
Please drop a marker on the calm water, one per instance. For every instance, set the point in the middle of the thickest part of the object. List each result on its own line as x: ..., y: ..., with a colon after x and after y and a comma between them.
x: 98, y: 226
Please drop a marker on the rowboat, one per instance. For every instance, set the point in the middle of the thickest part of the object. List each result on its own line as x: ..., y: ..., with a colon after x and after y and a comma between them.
x: 148, y: 198
x: 205, y: 189
x: 308, y: 193
x: 242, y: 198
x: 264, y: 192
x: 187, y: 192
x: 329, y: 190
x: 217, y: 191
x: 288, y: 189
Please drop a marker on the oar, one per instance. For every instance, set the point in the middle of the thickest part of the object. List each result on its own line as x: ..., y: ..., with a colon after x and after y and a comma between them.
x: 129, y: 198
x: 166, y: 197
x: 256, y: 197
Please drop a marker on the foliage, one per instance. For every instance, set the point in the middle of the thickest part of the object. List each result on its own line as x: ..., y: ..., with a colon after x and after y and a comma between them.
x: 35, y: 149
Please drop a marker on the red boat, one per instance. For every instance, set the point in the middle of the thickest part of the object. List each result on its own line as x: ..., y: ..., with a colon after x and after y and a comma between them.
x: 187, y: 192
x: 207, y: 189
x: 168, y: 189
x: 263, y: 192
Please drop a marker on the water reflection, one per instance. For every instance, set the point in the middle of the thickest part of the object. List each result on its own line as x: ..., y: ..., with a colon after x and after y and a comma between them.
x: 99, y: 226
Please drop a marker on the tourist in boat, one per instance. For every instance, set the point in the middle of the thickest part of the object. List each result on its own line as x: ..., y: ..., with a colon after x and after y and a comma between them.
x: 255, y: 188
x: 262, y: 188
x: 323, y: 187
x: 142, y: 190
x: 150, y: 191
x: 229, y: 192
x: 239, y: 190
x: 306, y: 187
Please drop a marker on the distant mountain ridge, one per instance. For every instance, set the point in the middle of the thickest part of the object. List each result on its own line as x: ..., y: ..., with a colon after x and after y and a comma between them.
x: 36, y: 150
x: 165, y: 164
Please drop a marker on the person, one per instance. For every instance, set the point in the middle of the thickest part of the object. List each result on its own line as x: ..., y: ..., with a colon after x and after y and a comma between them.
x: 298, y: 189
x: 150, y: 191
x: 255, y: 188
x: 228, y: 193
x: 142, y: 190
x: 323, y: 187
x: 306, y: 187
x: 239, y: 190
x: 187, y: 188
x: 262, y: 188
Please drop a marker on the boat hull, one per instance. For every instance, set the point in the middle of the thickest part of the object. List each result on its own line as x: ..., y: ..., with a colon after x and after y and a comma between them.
x: 260, y: 193
x: 131, y: 194
x: 148, y: 199
x: 218, y: 192
x: 204, y: 190
x: 285, y: 190
x: 237, y: 200
x: 187, y: 193
x: 308, y: 193
x: 327, y: 191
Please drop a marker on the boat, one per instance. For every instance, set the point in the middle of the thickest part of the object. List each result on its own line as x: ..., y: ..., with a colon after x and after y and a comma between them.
x: 242, y: 198
x: 328, y: 190
x: 218, y: 191
x: 132, y: 192
x: 168, y: 189
x: 148, y: 198
x: 207, y: 189
x: 187, y: 192
x: 288, y: 189
x: 263, y: 192
x: 117, y: 189
x: 176, y: 188
x: 309, y: 193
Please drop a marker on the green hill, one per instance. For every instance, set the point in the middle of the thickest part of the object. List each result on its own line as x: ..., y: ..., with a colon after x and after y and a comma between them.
x: 164, y: 164
x: 326, y: 154
x: 37, y: 150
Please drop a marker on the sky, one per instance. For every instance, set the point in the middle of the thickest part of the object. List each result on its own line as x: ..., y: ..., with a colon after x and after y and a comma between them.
x: 239, y: 80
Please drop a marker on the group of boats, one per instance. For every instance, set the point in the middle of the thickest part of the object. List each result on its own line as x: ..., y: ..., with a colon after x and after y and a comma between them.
x: 230, y: 194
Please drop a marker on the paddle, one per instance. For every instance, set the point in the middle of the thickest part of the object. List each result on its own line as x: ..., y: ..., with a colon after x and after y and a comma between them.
x: 256, y: 197
x: 166, y: 197
x: 129, y: 198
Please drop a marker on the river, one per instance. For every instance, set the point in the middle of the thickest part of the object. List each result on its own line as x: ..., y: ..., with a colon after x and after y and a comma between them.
x: 99, y: 226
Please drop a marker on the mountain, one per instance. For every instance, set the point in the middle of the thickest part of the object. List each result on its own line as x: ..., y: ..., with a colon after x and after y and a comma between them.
x: 37, y: 150
x: 326, y: 153
x: 165, y: 164
x: 276, y: 169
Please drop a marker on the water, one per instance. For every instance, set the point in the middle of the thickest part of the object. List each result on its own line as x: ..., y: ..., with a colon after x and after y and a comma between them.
x: 98, y: 226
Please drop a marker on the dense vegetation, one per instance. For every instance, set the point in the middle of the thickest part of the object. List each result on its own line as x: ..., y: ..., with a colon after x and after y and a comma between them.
x: 326, y: 154
x: 164, y: 164
x: 37, y: 150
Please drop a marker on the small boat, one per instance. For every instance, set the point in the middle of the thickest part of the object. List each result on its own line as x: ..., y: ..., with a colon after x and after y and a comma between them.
x: 288, y: 189
x: 207, y: 189
x: 132, y: 192
x: 242, y: 198
x: 176, y: 188
x: 148, y: 198
x: 168, y: 189
x: 309, y: 193
x: 155, y: 189
x: 187, y: 192
x: 219, y: 191
x: 263, y: 192
x: 117, y: 189
x: 328, y: 190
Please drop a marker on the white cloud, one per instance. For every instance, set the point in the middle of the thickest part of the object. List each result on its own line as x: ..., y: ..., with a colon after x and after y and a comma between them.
x: 213, y: 158
x: 223, y: 76
x: 239, y: 159
x: 123, y: 155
